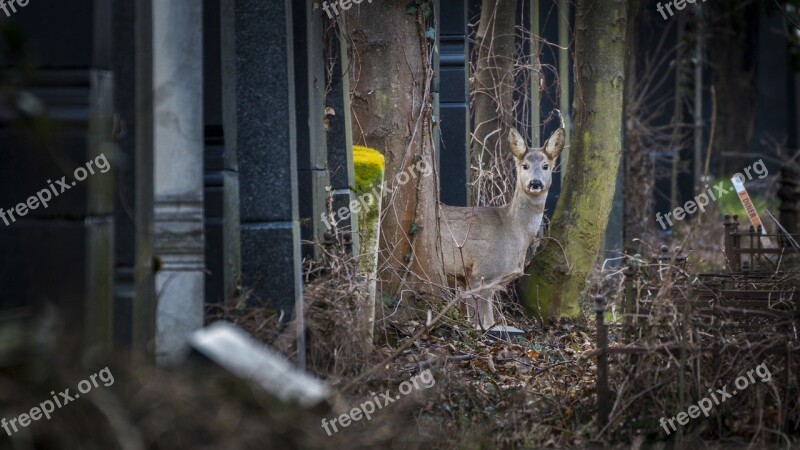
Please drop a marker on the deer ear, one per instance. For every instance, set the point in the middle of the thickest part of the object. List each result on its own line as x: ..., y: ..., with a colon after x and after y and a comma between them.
x: 552, y: 148
x: 516, y: 144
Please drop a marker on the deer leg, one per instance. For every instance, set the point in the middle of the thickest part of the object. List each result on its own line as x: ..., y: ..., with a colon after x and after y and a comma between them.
x: 480, y: 306
x: 486, y: 308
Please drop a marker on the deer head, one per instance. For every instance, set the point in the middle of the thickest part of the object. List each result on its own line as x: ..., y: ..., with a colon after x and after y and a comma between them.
x: 535, y: 166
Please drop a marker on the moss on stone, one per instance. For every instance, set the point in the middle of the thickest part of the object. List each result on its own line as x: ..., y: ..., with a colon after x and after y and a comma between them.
x: 368, y: 164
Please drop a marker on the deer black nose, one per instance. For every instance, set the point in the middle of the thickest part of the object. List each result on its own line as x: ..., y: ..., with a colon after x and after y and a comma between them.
x: 536, y: 184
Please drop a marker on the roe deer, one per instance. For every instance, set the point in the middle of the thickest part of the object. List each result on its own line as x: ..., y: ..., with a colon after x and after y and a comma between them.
x: 485, y: 246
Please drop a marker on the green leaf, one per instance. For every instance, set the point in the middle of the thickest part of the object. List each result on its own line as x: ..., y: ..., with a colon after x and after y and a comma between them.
x: 411, y: 10
x: 431, y: 34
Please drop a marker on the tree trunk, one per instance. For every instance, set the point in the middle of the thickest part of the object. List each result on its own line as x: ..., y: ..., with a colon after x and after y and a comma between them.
x: 677, y: 118
x: 391, y: 105
x: 581, y: 216
x: 492, y: 95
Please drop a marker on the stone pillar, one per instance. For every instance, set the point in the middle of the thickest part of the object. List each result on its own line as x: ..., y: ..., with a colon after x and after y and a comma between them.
x: 312, y: 170
x: 123, y: 28
x: 223, y: 262
x: 536, y: 75
x: 450, y: 88
x: 100, y: 189
x: 59, y: 251
x: 177, y: 143
x: 231, y: 229
x: 340, y: 136
x: 259, y: 126
x: 144, y: 301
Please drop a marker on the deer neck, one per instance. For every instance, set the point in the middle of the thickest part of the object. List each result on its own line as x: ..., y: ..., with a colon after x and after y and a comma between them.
x: 525, y: 214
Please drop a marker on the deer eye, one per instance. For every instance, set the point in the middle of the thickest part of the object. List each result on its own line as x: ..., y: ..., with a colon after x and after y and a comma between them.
x: 525, y: 166
x: 546, y: 167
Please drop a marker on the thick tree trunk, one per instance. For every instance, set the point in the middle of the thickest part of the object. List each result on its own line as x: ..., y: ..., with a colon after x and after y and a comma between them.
x: 581, y: 216
x: 391, y: 106
x: 493, y: 93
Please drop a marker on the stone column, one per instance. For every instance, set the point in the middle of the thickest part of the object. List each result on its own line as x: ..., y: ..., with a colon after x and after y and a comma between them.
x: 259, y: 121
x: 312, y: 170
x: 100, y: 189
x: 144, y: 301
x: 123, y: 28
x: 178, y: 146
x: 452, y: 94
x: 339, y: 139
